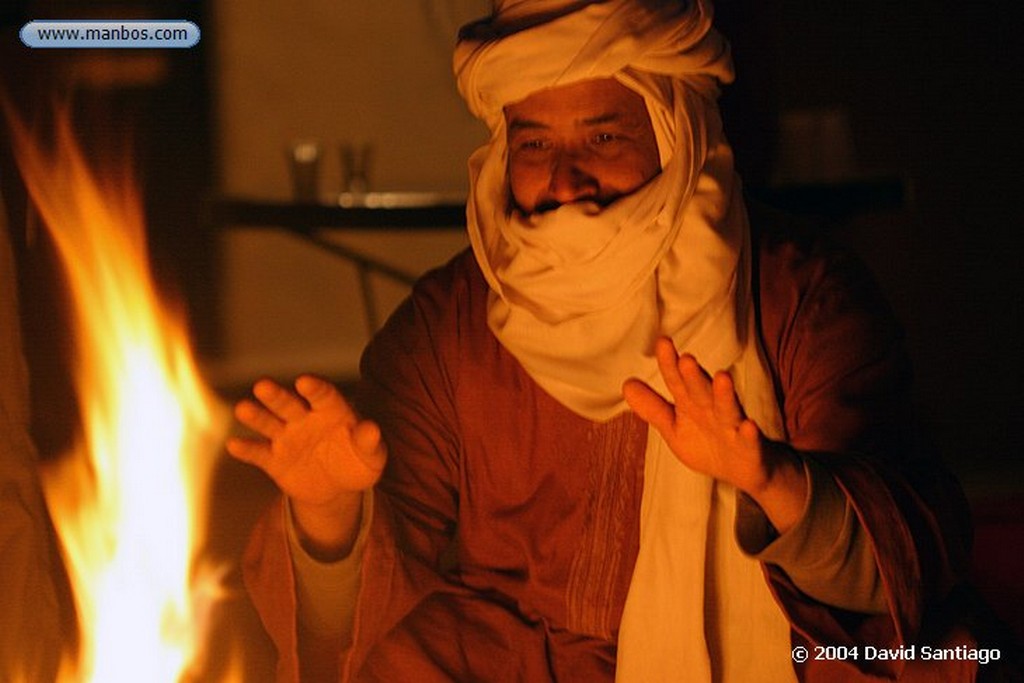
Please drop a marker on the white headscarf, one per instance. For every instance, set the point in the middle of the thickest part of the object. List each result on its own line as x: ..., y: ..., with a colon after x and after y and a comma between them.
x: 663, y: 260
x: 579, y: 296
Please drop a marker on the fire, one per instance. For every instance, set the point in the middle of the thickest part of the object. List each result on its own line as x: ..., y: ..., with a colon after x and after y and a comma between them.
x: 129, y: 501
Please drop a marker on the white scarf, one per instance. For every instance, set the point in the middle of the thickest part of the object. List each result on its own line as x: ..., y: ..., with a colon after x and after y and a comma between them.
x: 579, y: 294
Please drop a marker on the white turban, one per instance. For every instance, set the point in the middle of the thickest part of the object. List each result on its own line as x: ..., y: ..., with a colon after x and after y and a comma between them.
x: 666, y: 259
x: 515, y: 52
x: 580, y: 293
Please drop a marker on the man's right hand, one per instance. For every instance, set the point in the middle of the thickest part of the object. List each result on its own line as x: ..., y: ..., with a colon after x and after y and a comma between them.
x: 318, y: 453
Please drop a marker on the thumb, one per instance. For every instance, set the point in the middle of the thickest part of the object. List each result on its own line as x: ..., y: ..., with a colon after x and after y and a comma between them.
x: 369, y: 446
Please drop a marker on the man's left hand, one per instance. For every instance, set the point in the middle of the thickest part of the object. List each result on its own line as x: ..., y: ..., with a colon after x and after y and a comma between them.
x: 706, y: 429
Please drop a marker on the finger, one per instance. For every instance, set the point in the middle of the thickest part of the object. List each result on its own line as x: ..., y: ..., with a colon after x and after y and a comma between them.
x: 750, y: 432
x: 257, y: 418
x: 369, y: 446
x: 649, y: 406
x: 252, y: 451
x: 323, y: 396
x: 696, y: 381
x: 279, y: 400
x: 726, y: 405
x: 668, y: 364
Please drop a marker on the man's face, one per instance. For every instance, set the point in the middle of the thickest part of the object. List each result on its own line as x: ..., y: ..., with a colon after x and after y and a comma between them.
x: 588, y: 141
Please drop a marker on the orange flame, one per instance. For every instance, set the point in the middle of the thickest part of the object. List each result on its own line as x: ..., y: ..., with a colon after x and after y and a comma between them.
x: 129, y: 501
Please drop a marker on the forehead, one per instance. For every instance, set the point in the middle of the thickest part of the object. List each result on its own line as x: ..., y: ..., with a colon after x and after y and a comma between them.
x: 579, y: 103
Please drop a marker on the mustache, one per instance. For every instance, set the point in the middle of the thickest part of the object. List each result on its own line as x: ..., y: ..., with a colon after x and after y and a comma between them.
x: 595, y: 202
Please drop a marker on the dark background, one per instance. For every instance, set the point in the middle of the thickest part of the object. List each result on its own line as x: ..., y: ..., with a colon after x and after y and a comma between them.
x: 932, y: 90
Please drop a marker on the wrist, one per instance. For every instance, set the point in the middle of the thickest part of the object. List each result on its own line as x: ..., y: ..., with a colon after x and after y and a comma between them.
x: 783, y: 493
x: 327, y: 531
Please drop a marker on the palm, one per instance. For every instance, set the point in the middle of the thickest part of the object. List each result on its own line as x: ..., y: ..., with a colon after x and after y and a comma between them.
x: 314, y: 447
x: 706, y: 443
x: 705, y: 426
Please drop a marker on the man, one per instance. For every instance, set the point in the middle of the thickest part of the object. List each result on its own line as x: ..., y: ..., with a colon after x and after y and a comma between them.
x: 622, y: 438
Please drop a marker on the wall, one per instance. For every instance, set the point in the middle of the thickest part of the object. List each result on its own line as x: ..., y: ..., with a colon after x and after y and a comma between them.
x: 350, y: 71
x: 376, y: 73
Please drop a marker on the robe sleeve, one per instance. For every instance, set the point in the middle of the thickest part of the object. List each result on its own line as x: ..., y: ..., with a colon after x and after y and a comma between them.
x: 270, y: 581
x: 405, y: 388
x: 306, y: 607
x: 327, y: 591
x: 843, y: 377
x: 826, y: 554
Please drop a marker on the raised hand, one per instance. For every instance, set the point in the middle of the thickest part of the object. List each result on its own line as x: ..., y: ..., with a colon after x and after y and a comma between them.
x: 316, y: 450
x: 706, y: 429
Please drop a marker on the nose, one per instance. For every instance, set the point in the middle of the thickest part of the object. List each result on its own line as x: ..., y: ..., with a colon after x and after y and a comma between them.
x: 570, y: 181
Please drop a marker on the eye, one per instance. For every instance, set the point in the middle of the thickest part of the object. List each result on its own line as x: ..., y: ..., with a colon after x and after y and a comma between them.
x: 603, y: 138
x: 533, y: 145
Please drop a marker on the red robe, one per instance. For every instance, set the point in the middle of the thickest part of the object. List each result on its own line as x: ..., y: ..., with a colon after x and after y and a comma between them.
x: 506, y: 526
